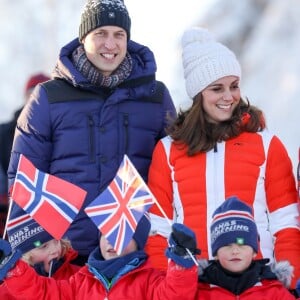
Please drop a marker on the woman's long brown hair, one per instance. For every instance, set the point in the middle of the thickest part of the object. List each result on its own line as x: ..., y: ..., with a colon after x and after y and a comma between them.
x: 192, y: 130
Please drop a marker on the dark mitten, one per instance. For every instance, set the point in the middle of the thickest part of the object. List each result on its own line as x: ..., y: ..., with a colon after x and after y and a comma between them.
x: 181, y: 239
x: 8, y: 258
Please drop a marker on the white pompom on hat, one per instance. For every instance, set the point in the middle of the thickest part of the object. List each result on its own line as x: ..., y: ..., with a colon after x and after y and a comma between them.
x: 205, y: 60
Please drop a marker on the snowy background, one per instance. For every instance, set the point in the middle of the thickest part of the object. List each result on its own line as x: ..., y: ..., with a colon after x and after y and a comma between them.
x: 265, y: 35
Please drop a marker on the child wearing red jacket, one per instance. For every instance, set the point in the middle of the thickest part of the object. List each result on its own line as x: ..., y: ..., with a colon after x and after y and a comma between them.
x: 49, y: 257
x: 235, y: 274
x: 108, y: 275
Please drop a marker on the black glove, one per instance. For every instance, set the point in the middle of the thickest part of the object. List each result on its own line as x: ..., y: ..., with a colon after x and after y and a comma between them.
x: 181, y: 239
x: 8, y: 258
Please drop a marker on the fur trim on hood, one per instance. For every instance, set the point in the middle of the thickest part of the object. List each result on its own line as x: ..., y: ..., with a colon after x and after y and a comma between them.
x: 283, y: 271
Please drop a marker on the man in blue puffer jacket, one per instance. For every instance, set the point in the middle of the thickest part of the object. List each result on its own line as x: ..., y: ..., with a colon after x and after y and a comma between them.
x: 103, y: 102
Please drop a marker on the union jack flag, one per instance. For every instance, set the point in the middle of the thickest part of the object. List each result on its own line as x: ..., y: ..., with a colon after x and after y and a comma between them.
x: 118, y: 209
x: 51, y: 201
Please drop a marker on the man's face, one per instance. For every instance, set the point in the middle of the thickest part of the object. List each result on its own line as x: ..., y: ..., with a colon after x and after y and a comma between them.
x: 106, y: 48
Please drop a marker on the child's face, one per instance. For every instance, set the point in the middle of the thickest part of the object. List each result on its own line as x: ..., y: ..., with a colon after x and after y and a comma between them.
x: 46, y: 253
x: 108, y: 252
x: 235, y: 258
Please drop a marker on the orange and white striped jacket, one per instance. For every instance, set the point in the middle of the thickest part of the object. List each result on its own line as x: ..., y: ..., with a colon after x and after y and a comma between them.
x: 253, y: 166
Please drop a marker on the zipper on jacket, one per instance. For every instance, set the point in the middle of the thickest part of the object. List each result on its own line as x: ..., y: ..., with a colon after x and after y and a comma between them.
x: 91, y: 139
x: 125, y: 124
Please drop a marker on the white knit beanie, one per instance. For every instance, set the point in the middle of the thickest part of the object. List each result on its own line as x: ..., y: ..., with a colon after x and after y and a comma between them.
x: 205, y: 60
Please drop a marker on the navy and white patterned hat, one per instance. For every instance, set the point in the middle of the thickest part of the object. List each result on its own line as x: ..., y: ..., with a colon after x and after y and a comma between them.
x: 23, y: 232
x: 233, y: 222
x: 98, y: 13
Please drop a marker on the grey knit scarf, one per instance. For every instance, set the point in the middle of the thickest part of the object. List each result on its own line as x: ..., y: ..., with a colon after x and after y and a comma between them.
x: 94, y: 76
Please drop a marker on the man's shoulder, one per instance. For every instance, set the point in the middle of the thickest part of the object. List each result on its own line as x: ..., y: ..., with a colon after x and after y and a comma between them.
x: 59, y: 90
x: 157, y: 94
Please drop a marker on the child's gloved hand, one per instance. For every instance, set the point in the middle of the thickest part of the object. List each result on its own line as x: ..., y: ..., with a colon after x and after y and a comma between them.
x: 181, y: 239
x: 8, y: 258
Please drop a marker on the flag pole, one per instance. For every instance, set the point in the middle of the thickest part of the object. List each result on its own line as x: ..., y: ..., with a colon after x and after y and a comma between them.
x: 7, y: 217
x: 160, y: 208
x: 167, y: 219
x: 10, y: 204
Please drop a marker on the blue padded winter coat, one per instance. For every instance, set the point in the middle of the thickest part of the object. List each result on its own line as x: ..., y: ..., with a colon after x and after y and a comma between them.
x: 81, y: 134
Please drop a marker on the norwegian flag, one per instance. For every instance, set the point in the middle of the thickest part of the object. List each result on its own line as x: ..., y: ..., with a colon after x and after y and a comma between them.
x: 49, y: 200
x: 118, y: 209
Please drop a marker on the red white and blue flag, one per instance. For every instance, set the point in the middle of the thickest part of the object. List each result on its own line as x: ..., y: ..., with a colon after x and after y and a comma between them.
x: 51, y: 201
x: 118, y: 209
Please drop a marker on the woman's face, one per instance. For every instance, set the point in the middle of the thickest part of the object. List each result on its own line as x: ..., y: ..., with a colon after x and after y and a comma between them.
x: 221, y: 98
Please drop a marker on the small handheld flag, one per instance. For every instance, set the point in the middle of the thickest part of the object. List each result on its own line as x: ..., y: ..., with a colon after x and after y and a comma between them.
x: 118, y: 209
x: 51, y: 201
